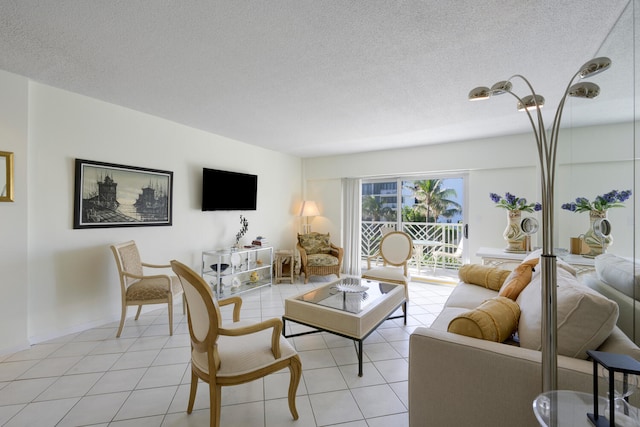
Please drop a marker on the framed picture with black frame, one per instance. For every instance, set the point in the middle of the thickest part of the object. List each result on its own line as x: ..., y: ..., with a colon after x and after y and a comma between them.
x: 112, y: 195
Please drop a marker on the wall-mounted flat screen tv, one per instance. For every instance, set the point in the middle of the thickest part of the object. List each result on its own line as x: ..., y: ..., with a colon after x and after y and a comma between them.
x: 228, y: 191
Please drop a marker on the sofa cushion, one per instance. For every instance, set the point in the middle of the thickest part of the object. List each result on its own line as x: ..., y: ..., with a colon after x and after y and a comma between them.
x: 315, y: 243
x: 482, y: 275
x: 469, y: 296
x: 619, y: 273
x: 584, y: 317
x: 494, y: 320
x: 519, y: 278
x: 321, y: 260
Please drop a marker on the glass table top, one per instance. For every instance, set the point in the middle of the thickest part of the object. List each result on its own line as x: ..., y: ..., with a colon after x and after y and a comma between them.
x: 567, y: 408
x: 350, y: 294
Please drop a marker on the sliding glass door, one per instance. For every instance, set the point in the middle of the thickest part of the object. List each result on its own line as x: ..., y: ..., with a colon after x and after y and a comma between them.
x: 430, y: 209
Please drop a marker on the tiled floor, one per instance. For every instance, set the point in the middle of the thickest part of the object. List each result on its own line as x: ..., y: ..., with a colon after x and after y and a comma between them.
x: 142, y: 378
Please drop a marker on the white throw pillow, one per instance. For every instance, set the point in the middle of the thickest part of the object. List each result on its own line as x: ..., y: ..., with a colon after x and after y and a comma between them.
x: 585, y: 317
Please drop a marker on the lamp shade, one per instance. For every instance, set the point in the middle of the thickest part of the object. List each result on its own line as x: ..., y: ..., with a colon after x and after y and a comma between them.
x: 531, y: 103
x: 479, y: 93
x: 309, y: 208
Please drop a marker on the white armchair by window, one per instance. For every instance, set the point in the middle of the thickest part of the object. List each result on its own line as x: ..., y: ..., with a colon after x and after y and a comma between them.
x: 396, y: 248
x: 447, y: 251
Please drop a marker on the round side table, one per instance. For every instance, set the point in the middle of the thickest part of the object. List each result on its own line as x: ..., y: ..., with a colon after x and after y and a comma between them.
x: 568, y: 408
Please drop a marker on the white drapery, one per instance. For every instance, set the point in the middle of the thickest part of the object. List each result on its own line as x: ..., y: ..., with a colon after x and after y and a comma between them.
x: 351, y: 220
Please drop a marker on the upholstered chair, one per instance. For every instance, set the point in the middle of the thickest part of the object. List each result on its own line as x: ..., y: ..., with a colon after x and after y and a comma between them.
x: 318, y: 256
x: 140, y: 289
x: 231, y: 353
x: 395, y: 250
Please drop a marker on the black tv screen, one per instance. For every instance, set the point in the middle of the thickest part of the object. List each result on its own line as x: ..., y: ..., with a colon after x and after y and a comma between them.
x: 228, y: 191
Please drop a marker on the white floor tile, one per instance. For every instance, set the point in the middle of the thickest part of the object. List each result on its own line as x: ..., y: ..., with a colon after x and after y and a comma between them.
x: 277, y: 413
x: 161, y: 376
x: 169, y: 356
x: 69, y: 386
x: 334, y: 407
x: 24, y: 391
x: 7, y: 412
x: 136, y: 359
x: 116, y: 381
x: 316, y: 359
x: 155, y: 421
x: 94, y: 363
x: 142, y: 379
x: 94, y: 409
x: 9, y: 371
x: 31, y: 415
x: 324, y: 379
x: 51, y: 367
x: 376, y: 401
x: 393, y: 370
x: 277, y: 385
x: 246, y: 414
x: 148, y: 402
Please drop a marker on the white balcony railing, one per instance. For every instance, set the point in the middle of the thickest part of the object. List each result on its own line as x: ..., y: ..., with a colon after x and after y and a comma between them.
x: 445, y: 233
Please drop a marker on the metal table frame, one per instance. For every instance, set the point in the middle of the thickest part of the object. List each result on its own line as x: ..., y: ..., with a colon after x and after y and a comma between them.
x: 359, y: 341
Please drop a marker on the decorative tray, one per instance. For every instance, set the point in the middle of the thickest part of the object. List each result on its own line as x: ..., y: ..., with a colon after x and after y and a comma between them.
x: 352, y: 288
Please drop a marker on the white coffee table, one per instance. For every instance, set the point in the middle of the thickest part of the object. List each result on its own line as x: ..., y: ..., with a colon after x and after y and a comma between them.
x: 349, y: 314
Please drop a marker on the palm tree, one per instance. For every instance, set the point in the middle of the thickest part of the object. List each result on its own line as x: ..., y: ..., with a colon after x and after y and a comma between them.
x: 433, y: 200
x: 372, y: 209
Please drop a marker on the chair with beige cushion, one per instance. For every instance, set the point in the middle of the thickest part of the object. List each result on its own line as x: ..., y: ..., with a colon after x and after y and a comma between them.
x: 140, y: 289
x: 447, y: 251
x: 235, y: 353
x: 396, y: 249
x: 318, y: 256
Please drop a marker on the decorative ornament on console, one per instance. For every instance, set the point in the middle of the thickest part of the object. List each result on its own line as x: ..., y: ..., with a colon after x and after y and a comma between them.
x: 514, y: 205
x: 598, y: 236
x: 243, y: 230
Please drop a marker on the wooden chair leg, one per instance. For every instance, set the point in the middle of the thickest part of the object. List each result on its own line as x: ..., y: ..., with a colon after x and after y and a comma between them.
x: 192, y: 392
x: 122, y: 317
x: 295, y: 369
x: 138, y: 312
x: 215, y: 403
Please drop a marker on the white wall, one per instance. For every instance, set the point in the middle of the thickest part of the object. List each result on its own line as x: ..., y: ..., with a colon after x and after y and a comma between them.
x: 64, y: 280
x: 591, y: 161
x: 13, y: 215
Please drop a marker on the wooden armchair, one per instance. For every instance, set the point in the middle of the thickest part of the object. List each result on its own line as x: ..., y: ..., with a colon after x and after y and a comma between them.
x: 224, y: 354
x: 318, y: 256
x: 140, y: 289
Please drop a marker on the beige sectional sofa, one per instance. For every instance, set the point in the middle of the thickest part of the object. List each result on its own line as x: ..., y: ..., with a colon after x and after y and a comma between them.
x: 457, y: 380
x: 618, y: 279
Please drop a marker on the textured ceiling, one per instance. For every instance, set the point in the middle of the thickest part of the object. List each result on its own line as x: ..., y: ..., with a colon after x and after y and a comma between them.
x: 309, y: 77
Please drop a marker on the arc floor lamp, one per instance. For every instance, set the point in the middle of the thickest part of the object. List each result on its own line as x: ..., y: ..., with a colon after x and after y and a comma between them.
x: 547, y: 147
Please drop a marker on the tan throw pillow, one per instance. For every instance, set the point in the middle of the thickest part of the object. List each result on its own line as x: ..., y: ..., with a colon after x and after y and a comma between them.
x: 519, y: 278
x: 494, y: 320
x: 585, y: 317
x: 482, y: 275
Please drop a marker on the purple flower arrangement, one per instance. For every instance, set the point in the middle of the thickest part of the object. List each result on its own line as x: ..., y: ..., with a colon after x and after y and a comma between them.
x: 612, y: 199
x: 514, y: 203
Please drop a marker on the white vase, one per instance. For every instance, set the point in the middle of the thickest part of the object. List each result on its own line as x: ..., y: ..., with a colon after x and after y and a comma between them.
x: 513, y: 233
x: 597, y: 245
